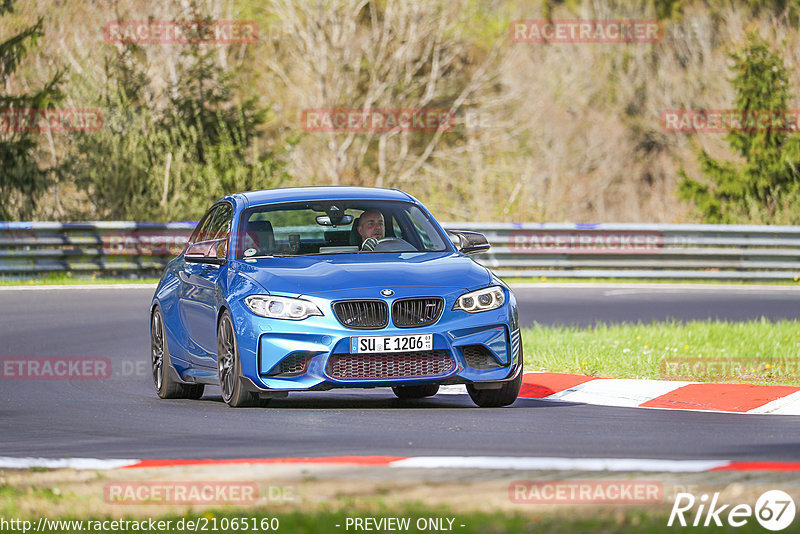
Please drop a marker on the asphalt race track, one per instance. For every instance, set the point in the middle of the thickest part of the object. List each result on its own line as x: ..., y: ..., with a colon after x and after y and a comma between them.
x: 583, y: 305
x: 121, y: 416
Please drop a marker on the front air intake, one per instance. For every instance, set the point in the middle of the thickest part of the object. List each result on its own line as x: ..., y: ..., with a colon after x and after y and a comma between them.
x: 479, y: 357
x: 292, y: 365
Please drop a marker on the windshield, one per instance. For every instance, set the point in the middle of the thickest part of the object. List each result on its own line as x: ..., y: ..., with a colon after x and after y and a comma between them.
x: 336, y: 227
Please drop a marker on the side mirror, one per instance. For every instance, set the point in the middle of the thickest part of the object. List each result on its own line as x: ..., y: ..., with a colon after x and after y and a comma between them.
x: 469, y: 242
x: 213, y: 252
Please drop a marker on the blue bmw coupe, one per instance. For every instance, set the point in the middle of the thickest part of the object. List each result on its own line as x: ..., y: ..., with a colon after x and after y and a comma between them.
x: 306, y: 289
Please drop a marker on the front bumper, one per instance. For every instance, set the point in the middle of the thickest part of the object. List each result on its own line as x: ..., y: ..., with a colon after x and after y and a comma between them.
x: 280, y: 355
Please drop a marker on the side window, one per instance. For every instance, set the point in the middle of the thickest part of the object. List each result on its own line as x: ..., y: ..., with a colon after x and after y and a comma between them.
x: 220, y: 227
x: 202, y: 227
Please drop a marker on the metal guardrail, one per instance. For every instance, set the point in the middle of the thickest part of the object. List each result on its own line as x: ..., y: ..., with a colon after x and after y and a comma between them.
x: 679, y: 251
x: 110, y: 247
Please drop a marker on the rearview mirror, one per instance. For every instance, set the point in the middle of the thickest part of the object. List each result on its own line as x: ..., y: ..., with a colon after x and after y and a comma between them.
x: 325, y: 220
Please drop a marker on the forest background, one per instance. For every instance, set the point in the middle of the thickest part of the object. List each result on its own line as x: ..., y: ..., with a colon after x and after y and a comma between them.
x: 541, y: 131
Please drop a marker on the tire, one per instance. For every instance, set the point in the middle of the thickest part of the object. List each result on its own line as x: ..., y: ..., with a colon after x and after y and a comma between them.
x: 164, y: 378
x: 416, y: 392
x: 494, y: 398
x: 229, y: 367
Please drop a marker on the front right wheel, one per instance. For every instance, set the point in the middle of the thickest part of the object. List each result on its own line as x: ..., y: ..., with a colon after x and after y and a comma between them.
x: 165, y: 383
x: 494, y: 398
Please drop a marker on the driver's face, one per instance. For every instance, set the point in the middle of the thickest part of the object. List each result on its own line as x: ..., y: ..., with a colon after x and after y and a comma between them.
x: 371, y: 225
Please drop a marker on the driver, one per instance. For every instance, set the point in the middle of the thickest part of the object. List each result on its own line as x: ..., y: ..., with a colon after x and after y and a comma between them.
x: 371, y: 228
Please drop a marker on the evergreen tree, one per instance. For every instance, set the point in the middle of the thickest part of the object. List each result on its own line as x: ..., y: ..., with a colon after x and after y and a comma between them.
x: 117, y: 166
x: 22, y: 178
x: 216, y: 130
x: 168, y: 162
x: 765, y: 187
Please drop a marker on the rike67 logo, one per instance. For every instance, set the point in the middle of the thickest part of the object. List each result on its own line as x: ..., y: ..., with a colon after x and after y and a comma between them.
x: 774, y: 510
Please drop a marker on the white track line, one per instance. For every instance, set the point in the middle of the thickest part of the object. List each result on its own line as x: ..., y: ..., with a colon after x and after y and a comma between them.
x: 788, y: 405
x: 83, y: 287
x: 63, y: 463
x: 433, y: 462
x: 616, y: 392
x: 454, y: 389
x: 560, y: 464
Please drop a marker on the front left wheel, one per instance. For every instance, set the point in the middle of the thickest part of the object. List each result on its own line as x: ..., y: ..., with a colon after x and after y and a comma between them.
x: 229, y: 367
x: 505, y: 395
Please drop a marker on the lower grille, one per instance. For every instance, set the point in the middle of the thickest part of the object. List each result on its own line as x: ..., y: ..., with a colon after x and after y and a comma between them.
x: 399, y: 365
x: 294, y: 364
x: 479, y: 357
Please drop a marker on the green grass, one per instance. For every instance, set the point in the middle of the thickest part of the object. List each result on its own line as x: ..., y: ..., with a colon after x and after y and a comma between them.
x: 11, y: 498
x: 69, y: 279
x: 761, y: 352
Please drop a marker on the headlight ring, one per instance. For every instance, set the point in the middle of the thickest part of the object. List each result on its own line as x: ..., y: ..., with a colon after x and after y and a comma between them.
x: 486, y: 299
x: 275, y: 307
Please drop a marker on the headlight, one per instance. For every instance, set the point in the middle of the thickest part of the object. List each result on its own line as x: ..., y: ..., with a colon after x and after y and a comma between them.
x: 487, y: 299
x: 281, y: 307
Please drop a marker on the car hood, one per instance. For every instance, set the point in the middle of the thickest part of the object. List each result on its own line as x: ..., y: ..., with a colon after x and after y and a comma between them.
x: 317, y: 275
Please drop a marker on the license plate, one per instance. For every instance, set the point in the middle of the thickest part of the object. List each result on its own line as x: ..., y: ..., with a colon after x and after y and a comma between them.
x: 373, y: 344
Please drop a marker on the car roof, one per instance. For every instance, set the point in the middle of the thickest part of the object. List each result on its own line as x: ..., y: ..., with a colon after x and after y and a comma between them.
x: 304, y: 194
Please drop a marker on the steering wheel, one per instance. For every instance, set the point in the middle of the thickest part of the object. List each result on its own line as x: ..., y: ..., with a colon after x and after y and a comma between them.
x: 388, y: 244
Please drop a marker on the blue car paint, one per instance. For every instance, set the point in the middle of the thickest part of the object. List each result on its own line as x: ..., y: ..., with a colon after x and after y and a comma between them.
x: 192, y: 296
